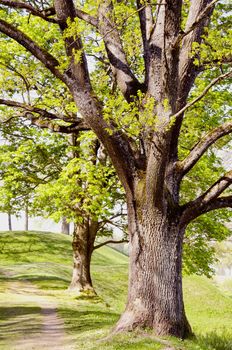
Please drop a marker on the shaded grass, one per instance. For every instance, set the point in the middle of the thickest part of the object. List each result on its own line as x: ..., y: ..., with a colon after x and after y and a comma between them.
x: 45, y: 259
x: 18, y: 316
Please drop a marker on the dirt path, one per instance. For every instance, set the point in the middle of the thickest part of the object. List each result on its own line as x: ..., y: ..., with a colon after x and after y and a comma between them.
x: 45, y: 331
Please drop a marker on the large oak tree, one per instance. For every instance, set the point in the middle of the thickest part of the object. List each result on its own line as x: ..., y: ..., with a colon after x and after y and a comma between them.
x: 140, y: 123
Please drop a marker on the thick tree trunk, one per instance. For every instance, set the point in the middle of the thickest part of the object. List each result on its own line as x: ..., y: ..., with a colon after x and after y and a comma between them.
x: 155, y: 296
x: 83, y: 243
x: 65, y: 226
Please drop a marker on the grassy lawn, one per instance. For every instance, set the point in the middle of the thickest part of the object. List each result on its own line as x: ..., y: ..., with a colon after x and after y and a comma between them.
x: 45, y: 259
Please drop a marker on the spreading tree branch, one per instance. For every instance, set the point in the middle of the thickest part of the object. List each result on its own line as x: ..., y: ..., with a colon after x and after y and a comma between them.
x: 198, y: 98
x: 87, y: 18
x: 33, y: 109
x: 116, y: 143
x: 207, y: 201
x: 46, y: 119
x: 146, y: 25
x: 76, y: 77
x: 110, y: 241
x: 44, y: 14
x: 78, y: 68
x: 201, y: 16
x: 202, y: 146
x: 219, y: 203
x: 126, y: 81
x: 64, y: 129
x: 42, y: 55
x: 198, y: 18
x: 178, y: 117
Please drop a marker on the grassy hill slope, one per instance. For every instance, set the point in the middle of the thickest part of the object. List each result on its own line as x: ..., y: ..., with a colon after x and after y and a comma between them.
x: 45, y: 259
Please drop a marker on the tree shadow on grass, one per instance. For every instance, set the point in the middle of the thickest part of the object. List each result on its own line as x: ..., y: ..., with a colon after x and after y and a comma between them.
x: 81, y: 321
x: 50, y: 281
x: 213, y: 341
x: 8, y: 312
x: 16, y: 320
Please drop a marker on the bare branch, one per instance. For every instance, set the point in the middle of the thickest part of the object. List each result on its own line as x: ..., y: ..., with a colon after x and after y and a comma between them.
x: 201, y: 147
x: 208, y: 200
x: 218, y: 203
x: 110, y: 242
x: 42, y: 55
x: 213, y: 82
x: 24, y: 6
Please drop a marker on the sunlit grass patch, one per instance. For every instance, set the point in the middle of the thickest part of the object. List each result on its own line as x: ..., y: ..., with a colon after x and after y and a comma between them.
x: 89, y: 321
x: 208, y: 309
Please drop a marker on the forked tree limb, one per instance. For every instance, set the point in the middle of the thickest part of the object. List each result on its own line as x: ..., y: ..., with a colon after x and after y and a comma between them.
x: 209, y: 200
x: 219, y: 203
x: 202, y: 146
x: 45, y: 14
x: 146, y: 26
x: 194, y: 25
x: 198, y: 98
x: 31, y: 9
x: 126, y: 80
x: 187, y: 69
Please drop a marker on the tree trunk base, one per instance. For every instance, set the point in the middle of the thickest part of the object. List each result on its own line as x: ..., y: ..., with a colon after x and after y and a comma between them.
x: 130, y: 322
x: 86, y: 291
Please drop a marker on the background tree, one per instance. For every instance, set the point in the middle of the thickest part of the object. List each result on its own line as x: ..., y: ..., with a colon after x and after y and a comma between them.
x: 28, y: 158
x: 156, y: 61
x: 87, y: 193
x: 60, y: 180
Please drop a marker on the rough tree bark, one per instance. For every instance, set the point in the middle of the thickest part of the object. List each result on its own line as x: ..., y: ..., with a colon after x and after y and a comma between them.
x: 150, y: 169
x: 83, y: 245
x: 155, y: 282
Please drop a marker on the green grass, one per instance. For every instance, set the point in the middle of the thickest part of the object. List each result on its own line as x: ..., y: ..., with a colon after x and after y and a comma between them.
x: 45, y: 259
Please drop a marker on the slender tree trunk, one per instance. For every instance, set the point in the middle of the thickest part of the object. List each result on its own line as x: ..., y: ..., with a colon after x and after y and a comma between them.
x: 65, y: 226
x: 155, y: 296
x: 26, y: 219
x: 83, y: 244
x: 9, y: 221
